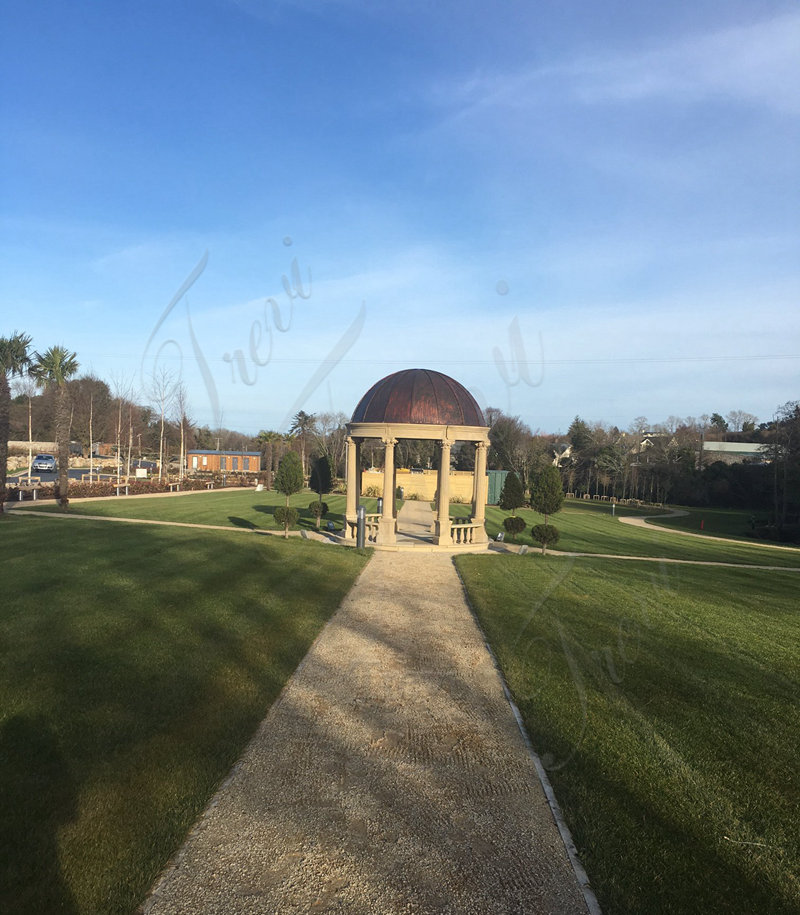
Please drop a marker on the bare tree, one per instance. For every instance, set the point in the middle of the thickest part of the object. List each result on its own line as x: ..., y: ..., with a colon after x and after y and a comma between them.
x: 739, y: 419
x: 123, y: 394
x: 91, y: 438
x: 129, y: 451
x: 509, y: 438
x: 331, y: 439
x: 162, y: 391
x: 181, y: 402
x: 25, y: 386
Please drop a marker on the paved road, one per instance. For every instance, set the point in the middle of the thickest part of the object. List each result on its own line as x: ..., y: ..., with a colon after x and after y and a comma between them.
x: 390, y: 777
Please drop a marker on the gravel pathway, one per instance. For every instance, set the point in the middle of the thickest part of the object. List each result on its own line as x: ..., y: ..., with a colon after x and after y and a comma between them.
x: 390, y: 777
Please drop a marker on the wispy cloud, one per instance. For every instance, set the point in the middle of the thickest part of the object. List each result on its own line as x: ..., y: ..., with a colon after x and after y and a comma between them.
x: 756, y: 64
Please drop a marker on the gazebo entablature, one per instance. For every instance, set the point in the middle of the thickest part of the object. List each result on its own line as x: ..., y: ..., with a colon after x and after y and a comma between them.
x: 384, y: 525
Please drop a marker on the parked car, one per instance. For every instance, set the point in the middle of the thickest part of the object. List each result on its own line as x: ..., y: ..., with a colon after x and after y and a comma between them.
x: 44, y: 463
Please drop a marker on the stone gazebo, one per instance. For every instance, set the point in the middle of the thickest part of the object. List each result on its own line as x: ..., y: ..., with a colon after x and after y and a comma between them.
x: 418, y: 404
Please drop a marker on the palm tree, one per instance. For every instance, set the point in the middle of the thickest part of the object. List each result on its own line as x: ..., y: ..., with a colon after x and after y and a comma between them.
x: 53, y: 369
x: 302, y: 425
x: 14, y: 360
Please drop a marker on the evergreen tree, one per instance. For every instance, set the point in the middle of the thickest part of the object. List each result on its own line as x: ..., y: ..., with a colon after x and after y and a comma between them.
x: 321, y: 482
x: 512, y: 497
x: 321, y: 475
x: 547, y: 493
x: 289, y: 478
x: 580, y: 435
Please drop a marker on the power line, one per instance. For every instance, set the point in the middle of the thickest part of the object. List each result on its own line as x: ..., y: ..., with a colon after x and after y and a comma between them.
x: 594, y: 360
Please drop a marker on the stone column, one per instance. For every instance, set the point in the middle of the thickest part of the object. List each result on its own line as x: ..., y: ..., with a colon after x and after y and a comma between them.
x: 441, y: 528
x: 353, y: 487
x: 387, y: 525
x: 480, y: 493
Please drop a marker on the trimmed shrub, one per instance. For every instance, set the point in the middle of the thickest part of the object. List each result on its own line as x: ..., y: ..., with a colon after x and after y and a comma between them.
x: 287, y: 516
x: 78, y: 489
x: 545, y: 534
x: 318, y: 509
x: 373, y: 492
x: 514, y: 525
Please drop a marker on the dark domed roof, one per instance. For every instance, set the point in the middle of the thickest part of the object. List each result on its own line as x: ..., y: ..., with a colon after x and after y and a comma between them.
x: 419, y: 396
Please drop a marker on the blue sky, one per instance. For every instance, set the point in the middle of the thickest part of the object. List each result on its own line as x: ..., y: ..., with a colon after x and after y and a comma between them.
x: 571, y: 207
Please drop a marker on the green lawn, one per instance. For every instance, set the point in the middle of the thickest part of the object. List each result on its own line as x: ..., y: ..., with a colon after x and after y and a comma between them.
x: 589, y: 527
x: 719, y: 522
x: 244, y: 508
x: 665, y: 703
x: 135, y: 664
x: 585, y: 526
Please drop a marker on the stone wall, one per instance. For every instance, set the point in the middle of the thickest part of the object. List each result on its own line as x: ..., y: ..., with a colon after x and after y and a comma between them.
x: 422, y: 484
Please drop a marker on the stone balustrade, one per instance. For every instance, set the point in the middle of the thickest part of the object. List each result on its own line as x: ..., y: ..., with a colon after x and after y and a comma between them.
x: 371, y: 526
x: 465, y: 533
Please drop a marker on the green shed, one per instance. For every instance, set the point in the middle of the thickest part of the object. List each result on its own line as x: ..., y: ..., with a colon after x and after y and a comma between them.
x: 496, y: 480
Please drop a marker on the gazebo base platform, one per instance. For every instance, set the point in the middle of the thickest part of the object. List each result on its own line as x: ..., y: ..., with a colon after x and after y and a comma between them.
x: 406, y: 546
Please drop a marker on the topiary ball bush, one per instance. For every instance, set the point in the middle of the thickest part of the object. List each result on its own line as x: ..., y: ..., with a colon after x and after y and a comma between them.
x: 286, y: 516
x: 514, y: 525
x: 546, y: 535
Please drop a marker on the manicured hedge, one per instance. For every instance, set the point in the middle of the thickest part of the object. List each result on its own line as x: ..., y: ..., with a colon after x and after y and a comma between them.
x: 136, y: 487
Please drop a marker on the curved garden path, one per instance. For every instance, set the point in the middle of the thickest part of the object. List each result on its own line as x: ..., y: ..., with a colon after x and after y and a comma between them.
x: 643, y: 520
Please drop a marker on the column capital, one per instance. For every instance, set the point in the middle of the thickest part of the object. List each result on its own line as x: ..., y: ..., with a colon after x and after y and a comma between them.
x: 388, y: 440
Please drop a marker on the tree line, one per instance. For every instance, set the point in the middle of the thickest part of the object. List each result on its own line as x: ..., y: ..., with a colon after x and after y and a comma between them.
x: 671, y: 461
x: 43, y: 398
x: 49, y: 370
